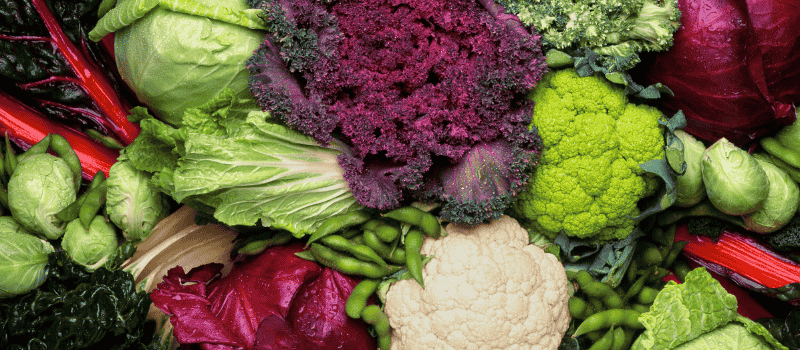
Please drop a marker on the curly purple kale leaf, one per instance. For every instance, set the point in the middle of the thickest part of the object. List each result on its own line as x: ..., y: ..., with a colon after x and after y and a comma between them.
x: 429, y: 95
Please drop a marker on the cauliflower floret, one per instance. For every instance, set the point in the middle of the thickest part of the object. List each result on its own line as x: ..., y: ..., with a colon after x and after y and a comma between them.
x: 589, y: 181
x: 485, y: 288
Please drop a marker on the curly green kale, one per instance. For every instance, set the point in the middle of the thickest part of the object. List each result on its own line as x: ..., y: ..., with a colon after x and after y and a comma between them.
x: 616, y: 30
x: 589, y: 179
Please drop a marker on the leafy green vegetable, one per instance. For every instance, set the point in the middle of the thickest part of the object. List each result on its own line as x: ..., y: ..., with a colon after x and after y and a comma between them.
x: 133, y: 203
x: 735, y: 182
x: 41, y: 186
x: 87, y: 246
x: 75, y: 309
x: 23, y: 260
x: 177, y: 54
x: 697, y: 314
x: 235, y: 161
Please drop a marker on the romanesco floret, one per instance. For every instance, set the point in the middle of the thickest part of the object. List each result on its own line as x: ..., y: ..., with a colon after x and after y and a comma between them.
x: 588, y: 181
x: 616, y: 30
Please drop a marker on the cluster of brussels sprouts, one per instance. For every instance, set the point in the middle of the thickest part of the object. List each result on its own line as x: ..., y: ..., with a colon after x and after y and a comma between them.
x: 729, y: 183
x: 47, y: 207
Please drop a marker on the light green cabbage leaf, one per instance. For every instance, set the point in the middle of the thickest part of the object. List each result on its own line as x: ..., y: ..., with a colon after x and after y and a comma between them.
x: 697, y: 314
x: 234, y: 161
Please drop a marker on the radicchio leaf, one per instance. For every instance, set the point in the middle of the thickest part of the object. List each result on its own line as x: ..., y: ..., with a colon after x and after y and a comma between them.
x: 275, y: 300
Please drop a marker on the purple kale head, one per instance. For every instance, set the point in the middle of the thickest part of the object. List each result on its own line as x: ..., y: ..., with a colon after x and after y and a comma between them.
x: 430, y: 95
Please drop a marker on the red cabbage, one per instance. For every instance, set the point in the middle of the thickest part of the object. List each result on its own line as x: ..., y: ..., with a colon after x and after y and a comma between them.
x: 734, y: 67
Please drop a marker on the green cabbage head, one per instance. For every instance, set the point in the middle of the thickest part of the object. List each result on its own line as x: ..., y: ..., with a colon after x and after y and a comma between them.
x: 133, y: 203
x: 23, y: 259
x: 40, y: 187
x: 180, y: 54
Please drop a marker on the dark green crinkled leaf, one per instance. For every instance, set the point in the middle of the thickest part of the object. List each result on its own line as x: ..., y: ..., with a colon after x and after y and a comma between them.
x: 75, y: 309
x: 586, y: 63
x: 607, y: 263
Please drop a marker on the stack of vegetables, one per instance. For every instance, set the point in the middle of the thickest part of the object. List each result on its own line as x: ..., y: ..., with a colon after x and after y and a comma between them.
x: 362, y: 174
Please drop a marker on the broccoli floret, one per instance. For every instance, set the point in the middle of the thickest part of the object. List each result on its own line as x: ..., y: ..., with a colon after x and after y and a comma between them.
x: 588, y: 181
x: 617, y: 30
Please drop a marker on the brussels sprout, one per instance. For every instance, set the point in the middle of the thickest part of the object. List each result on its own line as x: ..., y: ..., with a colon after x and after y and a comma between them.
x: 175, y: 60
x: 690, y: 188
x: 40, y: 187
x: 735, y: 182
x: 23, y: 261
x: 781, y: 203
x: 133, y: 203
x: 89, y: 246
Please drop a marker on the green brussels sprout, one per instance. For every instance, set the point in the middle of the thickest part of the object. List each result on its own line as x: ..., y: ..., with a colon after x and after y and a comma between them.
x: 735, y: 182
x: 132, y: 201
x: 689, y: 186
x: 88, y: 246
x: 40, y: 187
x: 781, y: 203
x: 23, y: 260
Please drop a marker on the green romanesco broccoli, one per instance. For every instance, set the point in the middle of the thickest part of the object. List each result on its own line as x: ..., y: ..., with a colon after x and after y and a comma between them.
x: 616, y: 30
x: 588, y: 181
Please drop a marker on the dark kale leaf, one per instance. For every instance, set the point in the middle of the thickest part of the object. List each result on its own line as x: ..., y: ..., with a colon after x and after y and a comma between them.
x: 78, y: 309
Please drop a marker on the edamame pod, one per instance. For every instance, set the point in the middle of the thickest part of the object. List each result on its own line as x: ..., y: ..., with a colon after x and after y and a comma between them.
x: 357, y: 300
x: 604, y: 319
x: 605, y: 342
x: 360, y: 251
x: 599, y: 290
x: 93, y: 202
x: 337, y: 223
x: 373, y: 315
x: 414, y: 216
x: 414, y: 241
x: 395, y: 255
x: 64, y: 150
x: 384, y: 231
x: 349, y: 265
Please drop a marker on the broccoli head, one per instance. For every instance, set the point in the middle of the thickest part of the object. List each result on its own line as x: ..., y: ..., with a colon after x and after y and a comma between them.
x: 588, y: 181
x: 617, y: 30
x: 417, y: 89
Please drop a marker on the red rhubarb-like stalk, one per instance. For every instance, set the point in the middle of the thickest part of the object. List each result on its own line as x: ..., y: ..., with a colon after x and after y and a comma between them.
x: 26, y: 126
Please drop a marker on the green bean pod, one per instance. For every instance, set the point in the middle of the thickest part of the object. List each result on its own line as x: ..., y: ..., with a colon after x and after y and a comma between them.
x: 396, y: 255
x: 414, y: 216
x: 414, y: 240
x: 357, y: 300
x: 605, y: 342
x: 373, y: 315
x: 348, y: 264
x: 360, y: 251
x: 605, y: 319
x: 337, y: 223
x: 384, y: 231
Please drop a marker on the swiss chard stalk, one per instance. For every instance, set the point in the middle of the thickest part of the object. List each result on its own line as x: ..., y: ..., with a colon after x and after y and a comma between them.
x: 54, y: 67
x: 746, y: 261
x: 25, y: 126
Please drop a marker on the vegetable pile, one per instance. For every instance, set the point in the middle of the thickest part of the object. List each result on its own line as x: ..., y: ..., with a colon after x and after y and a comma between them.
x: 450, y: 174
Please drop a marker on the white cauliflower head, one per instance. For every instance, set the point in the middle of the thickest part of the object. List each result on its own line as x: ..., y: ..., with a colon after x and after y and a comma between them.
x: 485, y: 288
